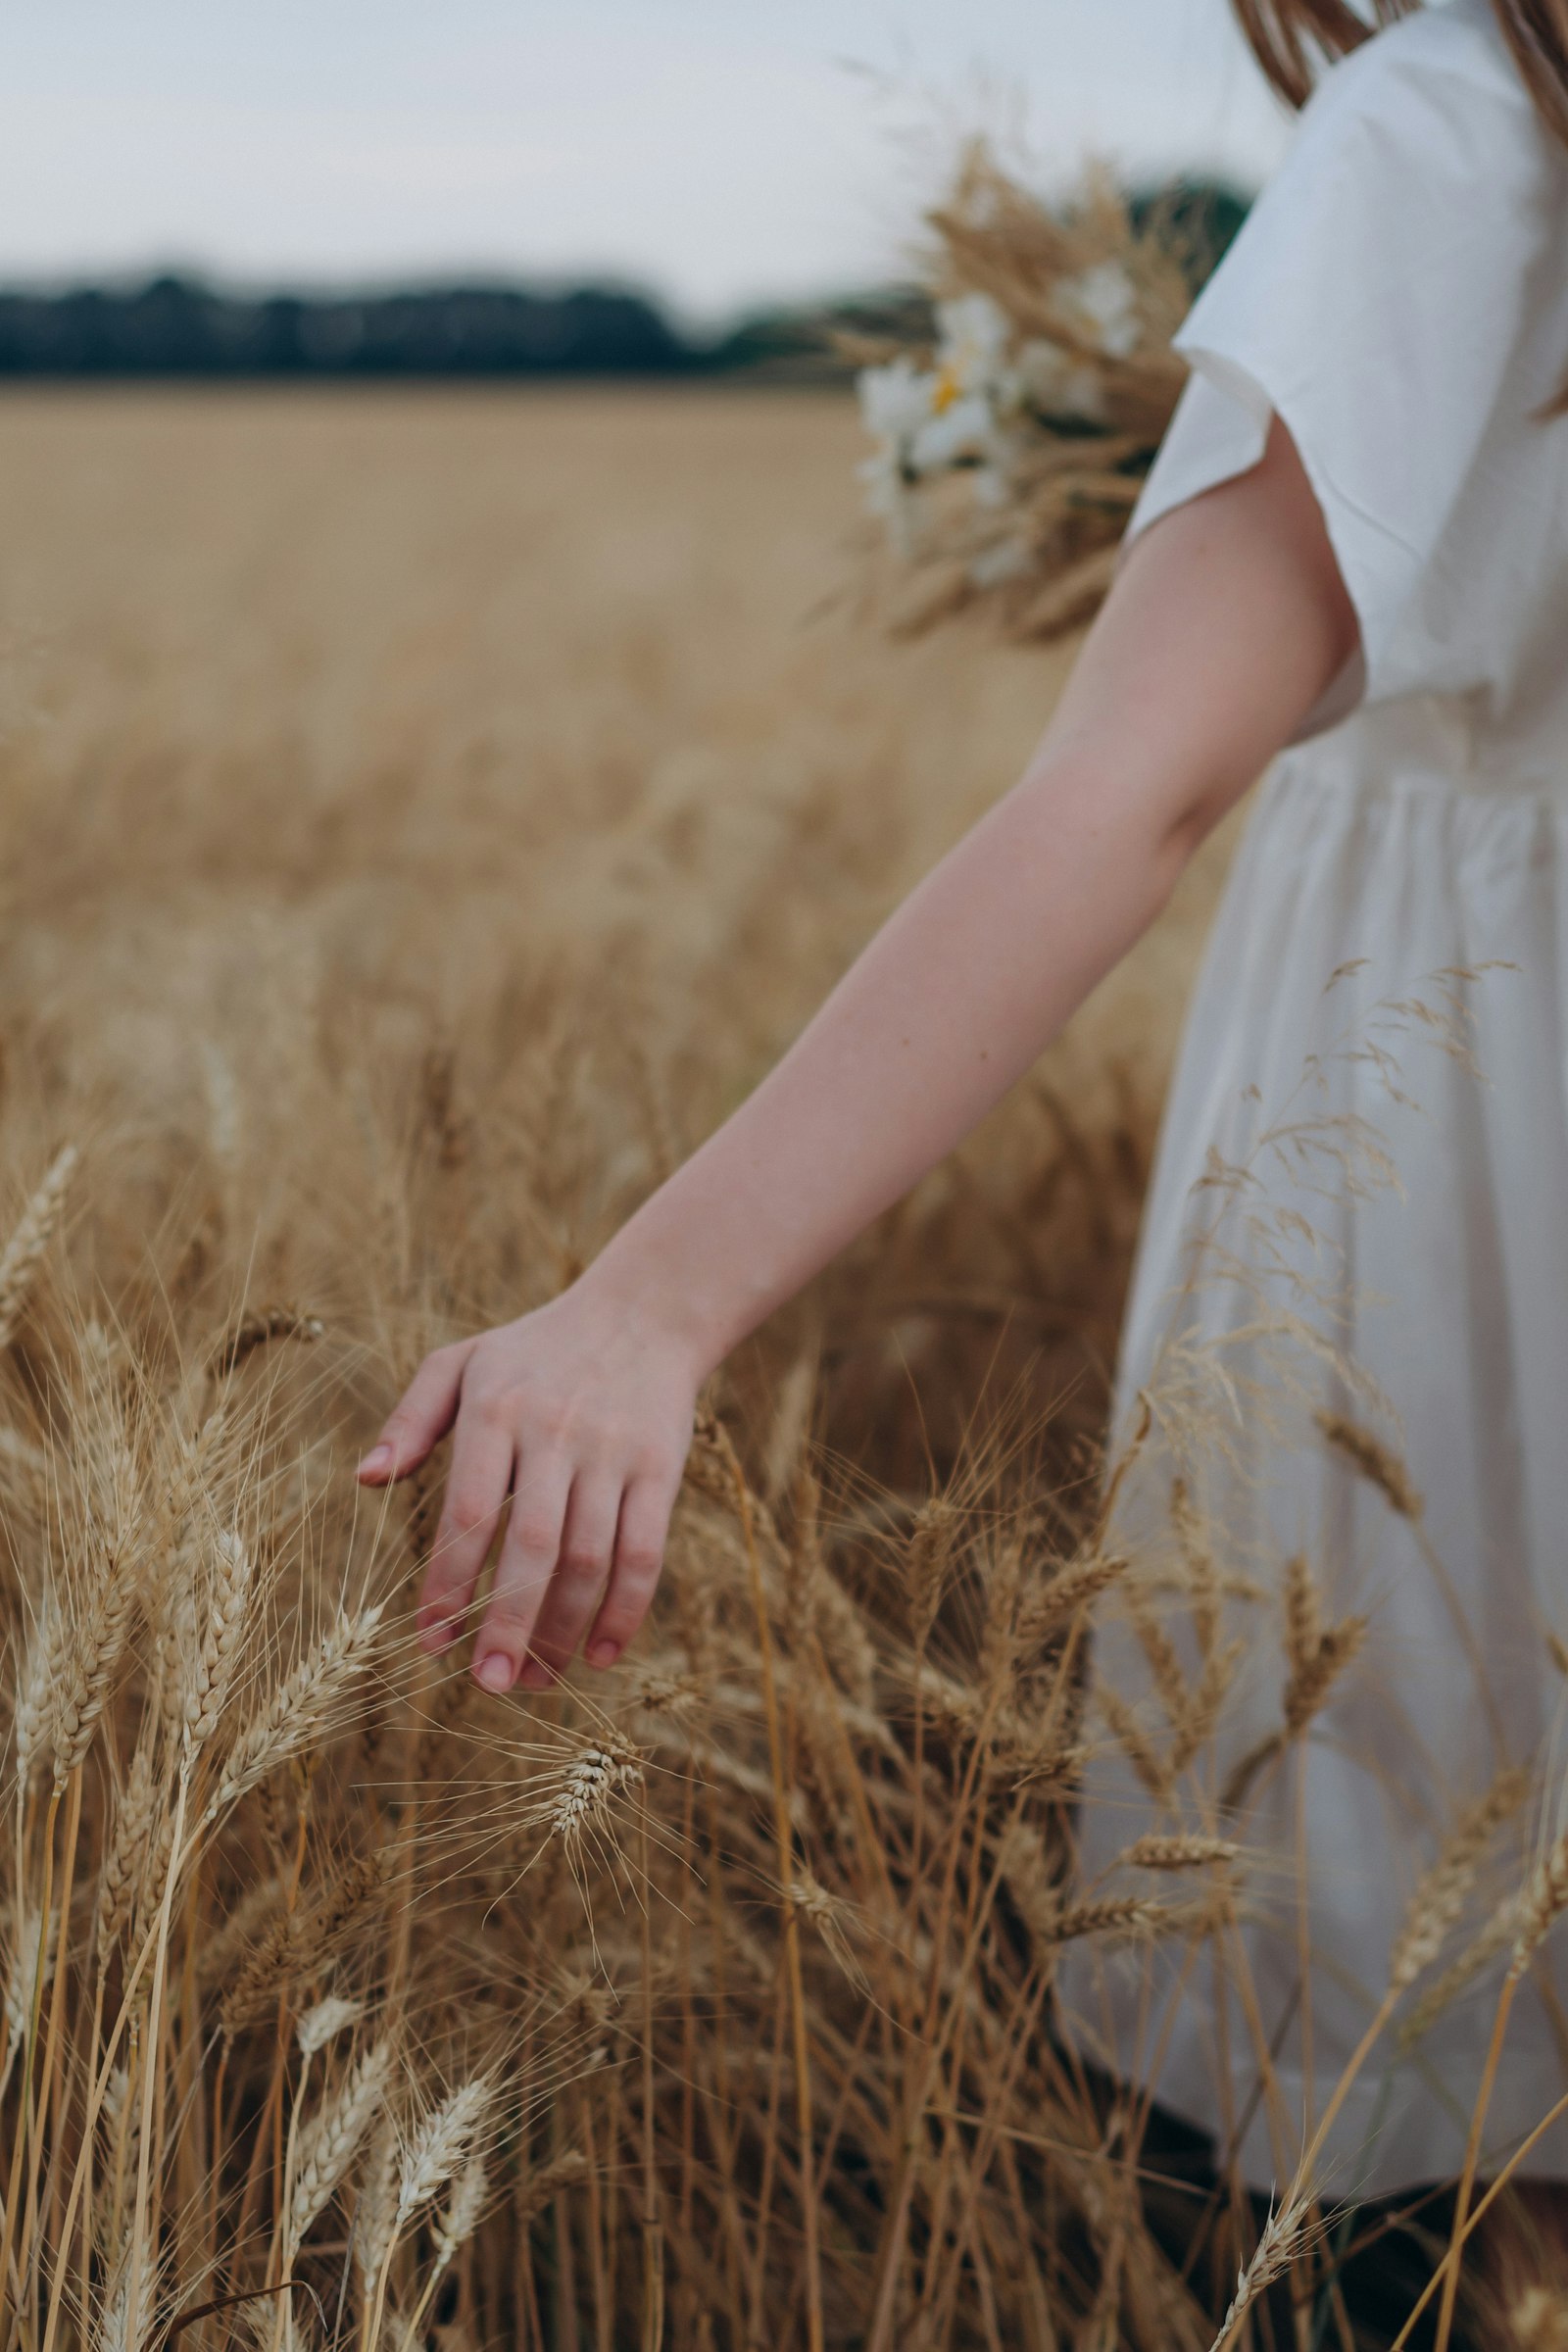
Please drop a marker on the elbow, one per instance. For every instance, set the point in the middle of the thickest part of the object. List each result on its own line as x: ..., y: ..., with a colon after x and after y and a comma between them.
x: 1160, y: 800
x: 1167, y: 857
x: 1175, y: 838
x: 1189, y: 818
x: 1145, y: 827
x: 1182, y: 835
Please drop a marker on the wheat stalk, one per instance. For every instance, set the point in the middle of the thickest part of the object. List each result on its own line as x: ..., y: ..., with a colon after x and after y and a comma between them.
x: 43, y: 1674
x: 1494, y: 1935
x: 1111, y: 1915
x: 125, y: 1863
x: 101, y: 1639
x: 328, y: 2145
x: 23, y: 1254
x: 237, y: 1936
x: 1156, y: 1852
x: 1541, y: 1902
x: 1435, y: 1907
x: 1076, y: 1588
x: 301, y: 1708
x: 376, y: 2217
x: 304, y: 1941
x: 591, y: 1784
x: 325, y: 2021
x: 441, y: 2145
x: 259, y: 1331
x: 460, y: 2218
x: 452, y: 2231
x: 1283, y: 2237
x: 32, y: 1947
x: 1374, y: 1461
x: 233, y: 1569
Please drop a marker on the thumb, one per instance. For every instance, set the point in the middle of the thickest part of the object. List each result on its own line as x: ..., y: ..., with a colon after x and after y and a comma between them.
x: 421, y: 1418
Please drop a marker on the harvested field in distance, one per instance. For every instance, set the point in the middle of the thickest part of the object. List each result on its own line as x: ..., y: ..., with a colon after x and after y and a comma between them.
x: 423, y: 815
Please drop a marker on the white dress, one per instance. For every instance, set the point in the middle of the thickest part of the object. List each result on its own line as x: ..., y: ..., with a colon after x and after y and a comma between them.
x: 1400, y: 297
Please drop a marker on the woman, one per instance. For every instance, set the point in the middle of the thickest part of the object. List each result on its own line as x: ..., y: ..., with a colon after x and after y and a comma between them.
x: 1354, y: 548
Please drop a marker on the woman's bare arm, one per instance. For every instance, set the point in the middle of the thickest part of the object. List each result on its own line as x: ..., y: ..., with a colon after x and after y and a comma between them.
x: 1227, y: 620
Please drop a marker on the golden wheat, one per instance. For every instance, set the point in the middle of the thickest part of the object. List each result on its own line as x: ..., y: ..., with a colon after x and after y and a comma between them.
x: 442, y: 823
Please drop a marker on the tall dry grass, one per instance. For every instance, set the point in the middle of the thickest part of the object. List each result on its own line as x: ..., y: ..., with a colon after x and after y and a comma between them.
x: 422, y: 818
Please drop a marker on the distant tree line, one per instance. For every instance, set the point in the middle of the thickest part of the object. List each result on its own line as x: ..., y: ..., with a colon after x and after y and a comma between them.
x: 180, y: 326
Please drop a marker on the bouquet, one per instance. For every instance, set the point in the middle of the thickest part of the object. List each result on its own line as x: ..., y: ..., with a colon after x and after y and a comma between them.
x: 1009, y: 453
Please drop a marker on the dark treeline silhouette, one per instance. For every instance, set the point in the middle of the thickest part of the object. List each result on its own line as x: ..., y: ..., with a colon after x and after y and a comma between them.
x: 180, y: 326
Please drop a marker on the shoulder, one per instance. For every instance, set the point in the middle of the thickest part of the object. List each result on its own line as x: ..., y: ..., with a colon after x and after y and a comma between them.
x: 1443, y: 81
x: 1417, y: 220
x: 1424, y: 140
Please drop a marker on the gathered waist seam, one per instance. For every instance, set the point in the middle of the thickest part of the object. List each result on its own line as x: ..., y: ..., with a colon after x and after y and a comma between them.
x: 1444, y: 786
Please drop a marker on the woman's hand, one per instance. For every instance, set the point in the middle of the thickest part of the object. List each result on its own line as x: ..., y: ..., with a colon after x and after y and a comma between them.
x: 582, y: 1415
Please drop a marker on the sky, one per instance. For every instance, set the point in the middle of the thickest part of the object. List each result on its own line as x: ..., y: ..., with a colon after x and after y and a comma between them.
x: 720, y: 152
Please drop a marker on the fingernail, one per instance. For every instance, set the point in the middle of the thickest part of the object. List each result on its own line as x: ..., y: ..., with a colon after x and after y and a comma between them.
x: 378, y: 1459
x: 494, y: 1673
x: 535, y: 1677
x: 604, y: 1653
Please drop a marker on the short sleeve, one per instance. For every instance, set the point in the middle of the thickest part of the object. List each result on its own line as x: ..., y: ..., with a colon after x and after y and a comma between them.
x: 1374, y: 300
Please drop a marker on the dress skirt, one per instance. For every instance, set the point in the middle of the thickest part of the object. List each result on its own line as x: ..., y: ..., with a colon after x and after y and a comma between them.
x: 1349, y: 1320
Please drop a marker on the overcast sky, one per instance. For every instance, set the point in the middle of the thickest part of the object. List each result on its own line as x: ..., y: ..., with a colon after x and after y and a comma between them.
x: 719, y: 151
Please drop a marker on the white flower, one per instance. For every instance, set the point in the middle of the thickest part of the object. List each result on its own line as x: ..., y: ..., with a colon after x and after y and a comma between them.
x: 1106, y: 300
x: 1060, y: 384
x: 895, y: 400
x: 964, y: 428
x: 926, y: 421
x: 975, y: 332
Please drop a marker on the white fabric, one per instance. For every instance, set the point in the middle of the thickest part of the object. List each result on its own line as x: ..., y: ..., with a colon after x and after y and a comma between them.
x: 1400, y: 297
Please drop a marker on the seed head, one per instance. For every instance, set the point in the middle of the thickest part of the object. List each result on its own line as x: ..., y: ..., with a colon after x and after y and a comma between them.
x: 325, y: 2023
x: 20, y: 1259
x: 440, y: 2145
x: 327, y: 2145
x: 586, y: 1797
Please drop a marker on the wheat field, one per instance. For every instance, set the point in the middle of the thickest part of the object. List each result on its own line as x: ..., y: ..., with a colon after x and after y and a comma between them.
x: 424, y: 815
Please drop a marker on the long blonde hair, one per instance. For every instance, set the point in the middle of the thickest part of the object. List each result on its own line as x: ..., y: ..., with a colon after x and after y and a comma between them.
x: 1288, y: 34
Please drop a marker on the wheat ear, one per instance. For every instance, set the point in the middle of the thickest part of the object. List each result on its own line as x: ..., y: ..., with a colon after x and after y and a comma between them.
x: 1435, y: 1907
x: 102, y: 1638
x: 329, y: 2143
x: 590, y: 1785
x: 300, y: 1709
x: 232, y: 1570
x: 1276, y: 2251
x: 20, y: 1259
x: 440, y: 2145
x: 1177, y: 1853
x: 124, y: 1861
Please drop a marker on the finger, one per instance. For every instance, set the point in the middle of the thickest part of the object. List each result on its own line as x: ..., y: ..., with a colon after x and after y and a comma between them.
x: 582, y: 1571
x: 527, y: 1561
x: 421, y: 1418
x: 640, y: 1541
x: 476, y: 1497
